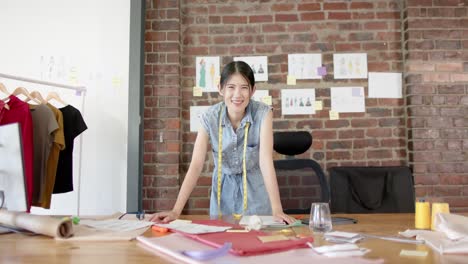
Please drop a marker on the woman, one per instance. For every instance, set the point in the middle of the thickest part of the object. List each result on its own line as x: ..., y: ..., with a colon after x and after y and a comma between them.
x: 245, y: 152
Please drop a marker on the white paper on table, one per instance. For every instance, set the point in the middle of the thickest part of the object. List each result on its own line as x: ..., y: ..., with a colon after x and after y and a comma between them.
x: 259, y: 65
x: 347, y: 99
x: 297, y: 101
x: 350, y: 65
x: 351, y: 253
x: 207, y: 73
x: 342, y: 234
x: 341, y: 250
x: 190, y: 228
x: 116, y: 225
x: 385, y: 85
x: 304, y: 66
x: 340, y: 237
x: 195, y: 114
x: 267, y: 220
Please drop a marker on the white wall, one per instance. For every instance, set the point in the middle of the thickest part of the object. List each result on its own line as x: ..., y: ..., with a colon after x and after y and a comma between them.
x: 84, y: 43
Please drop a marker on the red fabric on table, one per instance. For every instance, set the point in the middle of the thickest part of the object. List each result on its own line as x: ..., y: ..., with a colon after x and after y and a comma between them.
x: 245, y: 244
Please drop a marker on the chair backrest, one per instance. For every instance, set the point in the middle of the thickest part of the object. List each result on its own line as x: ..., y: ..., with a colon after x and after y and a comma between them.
x: 371, y: 189
x: 295, y: 143
x: 292, y: 143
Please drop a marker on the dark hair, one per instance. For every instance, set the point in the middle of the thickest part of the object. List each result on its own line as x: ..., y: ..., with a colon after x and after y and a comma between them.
x: 237, y: 67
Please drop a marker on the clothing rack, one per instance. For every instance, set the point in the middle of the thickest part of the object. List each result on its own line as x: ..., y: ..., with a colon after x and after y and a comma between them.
x: 59, y: 85
x: 81, y: 91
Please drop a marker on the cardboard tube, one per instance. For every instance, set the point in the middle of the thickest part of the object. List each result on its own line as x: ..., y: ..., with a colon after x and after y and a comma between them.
x: 40, y: 224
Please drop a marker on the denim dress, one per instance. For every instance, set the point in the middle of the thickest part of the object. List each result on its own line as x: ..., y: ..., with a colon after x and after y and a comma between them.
x: 232, y: 189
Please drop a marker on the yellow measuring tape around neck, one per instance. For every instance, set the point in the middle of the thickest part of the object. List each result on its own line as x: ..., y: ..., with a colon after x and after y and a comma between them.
x: 220, y: 160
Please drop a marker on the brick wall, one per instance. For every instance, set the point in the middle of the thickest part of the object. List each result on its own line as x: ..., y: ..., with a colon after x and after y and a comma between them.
x: 162, y: 141
x: 276, y: 29
x: 436, y: 73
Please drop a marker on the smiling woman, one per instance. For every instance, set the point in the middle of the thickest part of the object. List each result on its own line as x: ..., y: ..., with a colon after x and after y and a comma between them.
x: 240, y: 133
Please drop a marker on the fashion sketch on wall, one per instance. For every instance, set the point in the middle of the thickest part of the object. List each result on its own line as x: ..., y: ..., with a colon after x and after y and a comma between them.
x: 207, y: 73
x: 259, y: 65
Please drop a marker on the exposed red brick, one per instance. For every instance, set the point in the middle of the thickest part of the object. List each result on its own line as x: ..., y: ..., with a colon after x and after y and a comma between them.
x: 282, y: 7
x: 339, y: 15
x: 312, y: 16
x: 335, y: 6
x: 286, y: 18
x: 308, y: 7
x: 260, y: 19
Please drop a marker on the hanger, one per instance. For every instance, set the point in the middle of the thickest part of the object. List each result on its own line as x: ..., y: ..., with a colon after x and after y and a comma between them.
x: 4, y: 89
x: 56, y: 96
x: 23, y: 91
x: 37, y: 95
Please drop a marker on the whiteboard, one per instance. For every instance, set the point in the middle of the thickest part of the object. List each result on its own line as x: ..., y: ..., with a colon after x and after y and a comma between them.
x: 82, y: 43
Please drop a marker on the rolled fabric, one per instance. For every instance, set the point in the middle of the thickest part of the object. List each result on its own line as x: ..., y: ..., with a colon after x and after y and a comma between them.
x: 455, y: 227
x: 40, y: 224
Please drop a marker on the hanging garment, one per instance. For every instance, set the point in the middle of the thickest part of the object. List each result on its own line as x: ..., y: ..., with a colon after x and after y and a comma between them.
x: 2, y: 106
x: 73, y: 126
x: 19, y: 113
x: 58, y: 144
x: 45, y: 125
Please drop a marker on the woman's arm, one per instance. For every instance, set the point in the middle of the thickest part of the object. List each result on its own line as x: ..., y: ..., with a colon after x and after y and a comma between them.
x: 268, y: 169
x: 191, y: 178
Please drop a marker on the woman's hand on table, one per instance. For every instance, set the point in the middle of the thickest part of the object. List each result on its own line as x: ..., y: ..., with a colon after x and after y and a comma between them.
x: 284, y: 217
x: 164, y: 217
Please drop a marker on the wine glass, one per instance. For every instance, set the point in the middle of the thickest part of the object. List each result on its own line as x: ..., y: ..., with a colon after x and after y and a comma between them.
x: 320, y: 218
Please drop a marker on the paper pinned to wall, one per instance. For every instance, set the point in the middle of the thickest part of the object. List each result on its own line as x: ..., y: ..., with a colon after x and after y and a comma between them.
x: 385, y: 85
x: 207, y: 73
x: 195, y: 114
x: 259, y: 65
x: 297, y: 101
x: 304, y: 66
x: 350, y: 65
x: 259, y: 94
x: 347, y: 99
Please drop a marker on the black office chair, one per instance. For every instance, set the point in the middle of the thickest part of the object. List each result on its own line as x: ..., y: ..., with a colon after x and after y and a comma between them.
x: 295, y: 143
x: 371, y: 190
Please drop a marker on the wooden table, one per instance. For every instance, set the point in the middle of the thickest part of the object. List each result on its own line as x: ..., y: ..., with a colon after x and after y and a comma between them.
x: 16, y: 248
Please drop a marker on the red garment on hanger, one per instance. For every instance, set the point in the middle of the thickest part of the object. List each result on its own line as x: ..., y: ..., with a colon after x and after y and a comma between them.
x: 19, y: 113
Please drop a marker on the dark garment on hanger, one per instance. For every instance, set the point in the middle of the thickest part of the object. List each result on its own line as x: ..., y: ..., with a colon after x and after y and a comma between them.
x: 58, y: 144
x: 73, y: 125
x: 371, y: 190
x: 45, y: 127
x: 19, y: 113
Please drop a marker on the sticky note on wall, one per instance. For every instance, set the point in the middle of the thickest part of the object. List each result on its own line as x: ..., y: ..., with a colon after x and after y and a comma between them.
x: 197, y: 91
x: 318, y: 105
x: 334, y: 115
x: 291, y: 80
